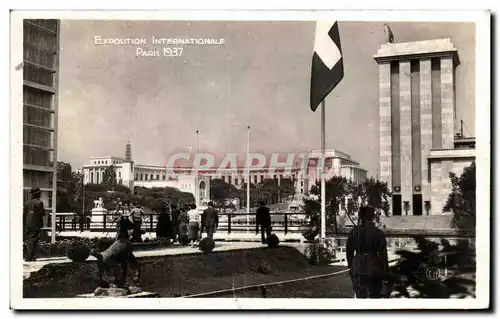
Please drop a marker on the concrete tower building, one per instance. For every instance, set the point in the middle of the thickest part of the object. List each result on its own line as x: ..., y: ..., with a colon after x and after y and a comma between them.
x: 417, y: 124
x: 40, y: 108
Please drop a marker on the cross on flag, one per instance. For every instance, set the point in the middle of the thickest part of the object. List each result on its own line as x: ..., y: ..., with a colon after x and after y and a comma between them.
x: 327, y: 65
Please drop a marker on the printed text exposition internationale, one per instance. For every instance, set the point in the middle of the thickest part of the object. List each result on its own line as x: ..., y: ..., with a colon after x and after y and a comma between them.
x: 98, y: 40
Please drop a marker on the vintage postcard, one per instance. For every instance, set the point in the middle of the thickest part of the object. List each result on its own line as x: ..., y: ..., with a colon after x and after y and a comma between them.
x: 250, y: 160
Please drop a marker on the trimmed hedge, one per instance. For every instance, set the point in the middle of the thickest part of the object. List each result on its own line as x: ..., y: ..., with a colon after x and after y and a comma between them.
x: 78, y: 252
x: 273, y: 241
x: 207, y: 245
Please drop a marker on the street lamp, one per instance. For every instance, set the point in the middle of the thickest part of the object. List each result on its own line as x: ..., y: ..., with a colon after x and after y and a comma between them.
x: 406, y: 206
x: 427, y: 206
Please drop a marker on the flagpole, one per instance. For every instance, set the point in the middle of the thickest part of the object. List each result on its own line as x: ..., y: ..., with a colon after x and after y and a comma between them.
x: 323, y: 187
x: 248, y: 179
x: 83, y: 200
x: 197, y: 197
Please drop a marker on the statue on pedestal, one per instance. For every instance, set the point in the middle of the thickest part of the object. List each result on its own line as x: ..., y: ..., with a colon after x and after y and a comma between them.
x: 119, y: 254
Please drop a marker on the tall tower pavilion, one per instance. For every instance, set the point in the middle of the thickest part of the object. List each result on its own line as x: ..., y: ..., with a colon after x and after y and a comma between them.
x: 417, y: 116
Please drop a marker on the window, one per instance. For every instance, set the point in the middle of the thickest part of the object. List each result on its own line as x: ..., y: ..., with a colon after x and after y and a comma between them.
x: 38, y: 75
x: 229, y: 179
x: 36, y: 136
x: 36, y: 156
x: 37, y: 117
x: 151, y: 176
x: 236, y: 181
x: 417, y: 204
x: 92, y: 177
x: 40, y: 39
x: 396, y: 205
x: 136, y: 176
x: 255, y: 179
x: 141, y: 177
x: 157, y: 177
x: 37, y: 98
x: 164, y: 177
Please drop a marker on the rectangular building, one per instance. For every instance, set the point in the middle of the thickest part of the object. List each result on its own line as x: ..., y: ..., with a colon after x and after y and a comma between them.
x: 40, y: 105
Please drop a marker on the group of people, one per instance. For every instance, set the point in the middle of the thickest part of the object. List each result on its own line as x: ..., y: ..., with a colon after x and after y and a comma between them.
x: 191, y: 223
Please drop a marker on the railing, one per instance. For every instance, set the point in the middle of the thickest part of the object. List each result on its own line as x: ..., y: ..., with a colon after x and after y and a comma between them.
x: 287, y: 222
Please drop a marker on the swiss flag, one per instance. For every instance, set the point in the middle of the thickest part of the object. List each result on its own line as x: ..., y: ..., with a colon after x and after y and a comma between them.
x: 327, y: 65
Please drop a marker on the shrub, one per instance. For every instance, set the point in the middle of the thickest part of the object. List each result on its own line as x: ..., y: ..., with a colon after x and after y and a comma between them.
x: 78, y: 252
x: 320, y: 254
x: 207, y: 245
x: 273, y: 241
x: 310, y: 234
x: 183, y: 239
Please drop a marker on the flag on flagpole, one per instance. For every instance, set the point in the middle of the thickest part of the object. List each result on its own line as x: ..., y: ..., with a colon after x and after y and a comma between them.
x: 78, y: 189
x: 327, y: 68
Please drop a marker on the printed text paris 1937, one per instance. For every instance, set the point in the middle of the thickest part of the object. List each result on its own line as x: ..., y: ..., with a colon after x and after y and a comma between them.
x: 156, y: 47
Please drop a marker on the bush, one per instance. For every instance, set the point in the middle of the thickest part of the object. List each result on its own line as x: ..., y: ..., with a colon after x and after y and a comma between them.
x: 273, y: 241
x: 184, y: 239
x: 310, y: 234
x: 78, y: 252
x: 320, y: 254
x: 207, y: 245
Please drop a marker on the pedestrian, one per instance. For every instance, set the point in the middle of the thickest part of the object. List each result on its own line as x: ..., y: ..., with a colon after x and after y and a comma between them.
x: 33, y: 213
x: 163, y: 225
x: 194, y: 224
x: 175, y: 222
x: 137, y: 215
x: 263, y: 219
x: 183, y: 220
x: 209, y: 220
x: 366, y: 253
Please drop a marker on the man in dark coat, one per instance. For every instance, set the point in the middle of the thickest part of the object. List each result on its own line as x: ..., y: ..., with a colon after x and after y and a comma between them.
x: 209, y: 220
x: 164, y: 225
x: 263, y: 219
x: 33, y: 213
x: 366, y: 253
x: 175, y: 221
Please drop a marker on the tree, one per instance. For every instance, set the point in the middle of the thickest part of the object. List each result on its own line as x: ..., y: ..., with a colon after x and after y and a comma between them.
x: 109, y: 178
x: 221, y: 192
x: 287, y: 188
x: 462, y: 199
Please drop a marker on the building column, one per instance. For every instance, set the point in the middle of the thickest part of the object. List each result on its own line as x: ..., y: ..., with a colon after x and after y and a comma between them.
x: 385, y: 123
x: 425, y: 125
x: 447, y: 103
x: 405, y: 135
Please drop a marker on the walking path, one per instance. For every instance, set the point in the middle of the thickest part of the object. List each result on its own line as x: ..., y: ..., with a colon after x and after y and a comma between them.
x: 174, y: 249
x: 219, y: 236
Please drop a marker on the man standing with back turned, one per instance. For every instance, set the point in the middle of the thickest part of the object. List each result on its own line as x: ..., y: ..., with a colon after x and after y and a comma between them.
x: 33, y: 214
x: 263, y: 219
x: 366, y: 253
x: 209, y: 220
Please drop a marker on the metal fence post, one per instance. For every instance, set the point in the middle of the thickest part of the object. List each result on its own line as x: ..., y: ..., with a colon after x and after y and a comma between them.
x: 286, y: 223
x: 229, y: 223
x: 104, y: 221
x: 151, y: 222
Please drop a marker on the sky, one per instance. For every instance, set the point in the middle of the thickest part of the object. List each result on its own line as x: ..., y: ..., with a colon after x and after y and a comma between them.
x: 260, y: 78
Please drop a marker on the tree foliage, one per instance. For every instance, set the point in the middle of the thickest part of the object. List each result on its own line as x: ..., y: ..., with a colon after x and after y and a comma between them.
x: 462, y: 199
x: 370, y: 192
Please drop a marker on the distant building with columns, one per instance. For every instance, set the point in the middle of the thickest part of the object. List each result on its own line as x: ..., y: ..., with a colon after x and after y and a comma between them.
x: 135, y: 175
x: 419, y: 146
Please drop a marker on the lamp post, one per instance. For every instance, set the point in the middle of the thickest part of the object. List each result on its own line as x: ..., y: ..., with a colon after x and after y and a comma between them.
x: 427, y: 206
x: 406, y: 206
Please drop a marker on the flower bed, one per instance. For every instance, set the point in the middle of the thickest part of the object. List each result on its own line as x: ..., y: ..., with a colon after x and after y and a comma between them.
x: 59, y: 248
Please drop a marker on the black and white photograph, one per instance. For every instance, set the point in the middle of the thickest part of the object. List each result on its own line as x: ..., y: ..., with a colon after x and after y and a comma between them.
x: 250, y: 160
